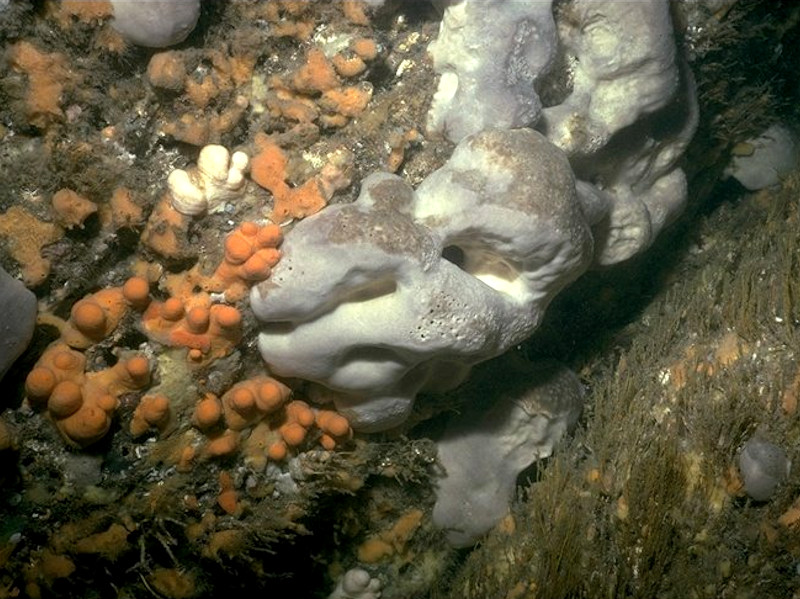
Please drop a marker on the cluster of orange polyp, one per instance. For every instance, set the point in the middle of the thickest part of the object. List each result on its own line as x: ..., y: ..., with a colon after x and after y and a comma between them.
x: 208, y: 331
x: 256, y: 416
x: 82, y: 403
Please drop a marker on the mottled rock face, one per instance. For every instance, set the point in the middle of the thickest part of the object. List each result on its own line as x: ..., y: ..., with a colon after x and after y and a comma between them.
x: 155, y: 23
x: 404, y: 291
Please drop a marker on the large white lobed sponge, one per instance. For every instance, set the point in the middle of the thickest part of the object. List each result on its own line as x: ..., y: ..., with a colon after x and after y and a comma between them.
x: 155, y: 23
x: 403, y: 291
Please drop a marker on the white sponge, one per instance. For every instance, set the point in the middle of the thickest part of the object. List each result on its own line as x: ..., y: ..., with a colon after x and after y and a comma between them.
x: 155, y: 23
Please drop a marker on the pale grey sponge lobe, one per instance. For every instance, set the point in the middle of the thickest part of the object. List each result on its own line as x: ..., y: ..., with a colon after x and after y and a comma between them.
x: 483, y: 451
x: 155, y: 23
x: 764, y: 466
x: 17, y: 319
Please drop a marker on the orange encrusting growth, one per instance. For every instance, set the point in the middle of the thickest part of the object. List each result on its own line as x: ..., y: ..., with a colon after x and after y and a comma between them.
x: 49, y: 75
x: 166, y: 231
x: 365, y: 48
x: 224, y: 444
x: 121, y: 211
x: 84, y: 10
x: 25, y: 236
x: 228, y: 498
x: 315, y: 92
x: 268, y: 169
x: 167, y: 70
x: 354, y: 11
x: 210, y: 104
x: 316, y: 75
x: 72, y: 208
x: 347, y: 101
x: 348, y: 66
x: 392, y: 541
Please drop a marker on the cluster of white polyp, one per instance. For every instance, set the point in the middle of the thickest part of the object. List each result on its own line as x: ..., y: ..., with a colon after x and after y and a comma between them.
x: 218, y: 177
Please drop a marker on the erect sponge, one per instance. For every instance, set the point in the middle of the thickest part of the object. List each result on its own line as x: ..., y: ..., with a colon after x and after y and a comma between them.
x: 223, y: 445
x: 250, y: 254
x: 333, y: 423
x: 65, y: 399
x: 298, y: 411
x: 227, y: 317
x: 172, y: 309
x: 81, y: 403
x: 277, y: 451
x: 86, y: 426
x: 39, y: 384
x: 271, y: 396
x: 66, y: 359
x: 247, y: 402
x: 269, y: 236
x: 237, y: 248
x: 152, y: 412
x: 89, y: 318
x: 136, y: 292
x: 138, y: 368
x: 58, y: 363
x: 95, y: 316
x: 293, y: 433
x: 197, y: 319
x: 207, y: 412
x: 243, y: 401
